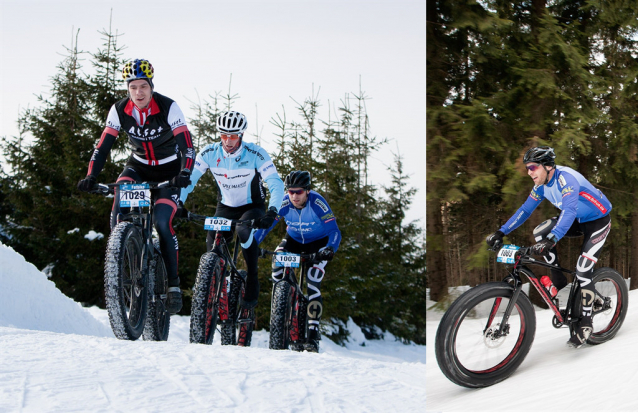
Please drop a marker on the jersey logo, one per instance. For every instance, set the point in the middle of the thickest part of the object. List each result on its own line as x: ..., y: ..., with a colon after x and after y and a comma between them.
x: 218, y: 161
x: 535, y: 196
x: 561, y: 181
x: 328, y: 216
x: 321, y: 205
x: 566, y: 191
x: 285, y: 203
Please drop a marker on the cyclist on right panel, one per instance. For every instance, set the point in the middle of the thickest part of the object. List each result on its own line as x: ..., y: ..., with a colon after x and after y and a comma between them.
x: 312, y: 228
x: 585, y: 211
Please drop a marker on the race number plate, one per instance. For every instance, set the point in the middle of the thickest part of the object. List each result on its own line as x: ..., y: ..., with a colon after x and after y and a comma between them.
x: 217, y: 224
x: 135, y: 195
x: 507, y: 254
x: 287, y: 259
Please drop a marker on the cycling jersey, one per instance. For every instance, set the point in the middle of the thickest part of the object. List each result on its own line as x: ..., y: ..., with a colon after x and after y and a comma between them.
x: 310, y: 223
x: 156, y: 133
x: 239, y: 175
x: 568, y: 191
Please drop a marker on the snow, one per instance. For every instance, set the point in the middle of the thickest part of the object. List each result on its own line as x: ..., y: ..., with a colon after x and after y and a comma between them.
x: 553, y: 377
x: 57, y: 356
x: 92, y: 235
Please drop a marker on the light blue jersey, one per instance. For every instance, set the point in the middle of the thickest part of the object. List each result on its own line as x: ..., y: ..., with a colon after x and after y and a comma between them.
x: 568, y: 191
x: 239, y: 175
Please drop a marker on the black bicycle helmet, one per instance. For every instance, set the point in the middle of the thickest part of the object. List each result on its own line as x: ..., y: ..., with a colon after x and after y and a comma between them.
x: 298, y: 179
x: 543, y: 155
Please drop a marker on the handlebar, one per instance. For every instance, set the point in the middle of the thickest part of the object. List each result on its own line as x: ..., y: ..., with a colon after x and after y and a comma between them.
x: 106, y: 189
x: 201, y: 218
x: 264, y: 252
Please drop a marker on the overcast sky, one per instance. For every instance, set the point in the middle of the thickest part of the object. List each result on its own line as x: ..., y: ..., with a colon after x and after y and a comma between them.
x: 276, y: 51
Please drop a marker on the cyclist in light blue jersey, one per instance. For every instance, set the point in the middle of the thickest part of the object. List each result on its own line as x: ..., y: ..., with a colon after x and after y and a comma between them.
x: 585, y: 211
x: 239, y: 169
x: 311, y: 229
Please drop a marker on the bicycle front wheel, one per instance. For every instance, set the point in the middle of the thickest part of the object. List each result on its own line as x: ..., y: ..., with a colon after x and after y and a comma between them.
x: 158, y: 319
x: 205, y: 304
x: 125, y: 286
x: 281, y: 315
x: 469, y: 348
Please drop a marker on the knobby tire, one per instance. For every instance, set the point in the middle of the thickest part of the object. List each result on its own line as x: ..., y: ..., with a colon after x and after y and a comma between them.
x: 204, y: 308
x: 125, y: 287
x: 158, y: 319
x: 281, y: 316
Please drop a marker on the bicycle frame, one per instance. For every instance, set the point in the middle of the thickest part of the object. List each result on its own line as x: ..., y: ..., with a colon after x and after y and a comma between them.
x: 524, y: 259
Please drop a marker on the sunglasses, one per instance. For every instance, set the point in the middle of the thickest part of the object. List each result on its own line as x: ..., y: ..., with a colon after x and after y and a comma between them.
x: 532, y: 167
x: 297, y: 192
x: 230, y: 136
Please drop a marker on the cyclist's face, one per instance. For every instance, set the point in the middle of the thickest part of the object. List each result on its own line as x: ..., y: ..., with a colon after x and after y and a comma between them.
x: 537, y: 172
x: 230, y: 141
x: 298, y: 196
x: 140, y: 92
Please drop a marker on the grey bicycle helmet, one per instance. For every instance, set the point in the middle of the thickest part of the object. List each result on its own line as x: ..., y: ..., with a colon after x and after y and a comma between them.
x: 543, y: 155
x: 298, y: 179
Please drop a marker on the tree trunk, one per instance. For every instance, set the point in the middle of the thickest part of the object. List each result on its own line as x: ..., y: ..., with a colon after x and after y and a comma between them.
x: 435, y: 256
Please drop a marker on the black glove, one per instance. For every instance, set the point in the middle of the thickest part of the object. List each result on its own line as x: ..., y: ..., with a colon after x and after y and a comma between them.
x: 326, y: 254
x: 181, y: 212
x: 87, y: 184
x: 495, y: 240
x: 543, y: 246
x: 266, y: 221
x: 182, y: 180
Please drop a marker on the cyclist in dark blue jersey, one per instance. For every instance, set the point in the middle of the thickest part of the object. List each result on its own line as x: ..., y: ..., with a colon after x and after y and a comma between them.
x: 311, y: 229
x: 585, y: 211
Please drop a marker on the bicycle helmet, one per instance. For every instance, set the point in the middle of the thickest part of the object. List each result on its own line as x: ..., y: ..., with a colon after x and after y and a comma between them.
x: 298, y: 179
x: 232, y: 122
x: 138, y: 69
x: 543, y: 155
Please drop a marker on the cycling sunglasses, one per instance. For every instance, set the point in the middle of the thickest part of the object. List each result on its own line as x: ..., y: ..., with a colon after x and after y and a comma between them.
x: 230, y: 136
x: 532, y: 167
x: 297, y: 192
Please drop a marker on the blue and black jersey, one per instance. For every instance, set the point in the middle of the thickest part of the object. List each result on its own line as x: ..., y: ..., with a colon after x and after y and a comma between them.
x: 568, y: 191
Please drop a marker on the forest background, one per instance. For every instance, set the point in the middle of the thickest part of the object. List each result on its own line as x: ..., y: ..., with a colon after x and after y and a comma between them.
x: 377, y: 277
x: 504, y: 76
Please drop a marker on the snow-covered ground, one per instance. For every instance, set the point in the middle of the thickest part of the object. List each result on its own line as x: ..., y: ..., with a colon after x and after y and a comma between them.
x: 56, y: 356
x: 553, y: 377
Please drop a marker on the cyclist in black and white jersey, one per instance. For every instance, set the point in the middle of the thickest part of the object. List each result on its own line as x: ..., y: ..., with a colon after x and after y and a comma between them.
x: 162, y: 150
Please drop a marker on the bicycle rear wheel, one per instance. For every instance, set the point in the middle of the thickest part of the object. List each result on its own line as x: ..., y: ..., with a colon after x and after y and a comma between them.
x: 281, y: 315
x: 204, y: 308
x: 610, y: 305
x: 158, y: 319
x: 125, y: 287
x: 468, y: 348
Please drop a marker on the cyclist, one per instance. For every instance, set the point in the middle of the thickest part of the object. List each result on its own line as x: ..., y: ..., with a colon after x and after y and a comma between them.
x: 162, y: 150
x: 311, y: 229
x: 585, y: 211
x: 239, y: 168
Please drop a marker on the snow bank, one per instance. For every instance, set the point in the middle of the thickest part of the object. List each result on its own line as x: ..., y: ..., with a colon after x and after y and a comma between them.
x: 28, y: 300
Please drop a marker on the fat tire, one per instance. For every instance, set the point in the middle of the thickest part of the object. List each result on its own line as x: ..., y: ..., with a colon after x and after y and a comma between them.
x: 204, y: 307
x: 230, y: 331
x: 280, y: 316
x: 122, y: 264
x: 606, y: 332
x: 445, y: 342
x: 158, y: 319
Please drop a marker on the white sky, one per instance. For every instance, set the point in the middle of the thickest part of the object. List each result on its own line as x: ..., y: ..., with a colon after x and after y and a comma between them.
x: 275, y: 51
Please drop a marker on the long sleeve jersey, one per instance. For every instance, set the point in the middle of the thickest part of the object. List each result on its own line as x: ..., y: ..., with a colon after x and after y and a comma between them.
x: 239, y: 175
x: 568, y: 191
x: 310, y: 223
x: 157, y: 133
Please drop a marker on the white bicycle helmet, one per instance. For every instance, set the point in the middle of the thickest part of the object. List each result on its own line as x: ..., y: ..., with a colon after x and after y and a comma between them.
x: 232, y: 122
